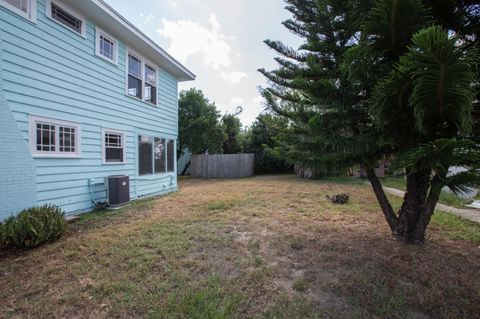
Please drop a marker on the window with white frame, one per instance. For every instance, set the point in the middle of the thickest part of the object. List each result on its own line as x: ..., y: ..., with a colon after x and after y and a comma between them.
x: 134, y: 76
x: 114, y: 149
x: 155, y: 155
x: 67, y: 17
x: 24, y: 8
x: 142, y: 79
x: 106, y: 46
x: 51, y: 137
x: 150, y: 85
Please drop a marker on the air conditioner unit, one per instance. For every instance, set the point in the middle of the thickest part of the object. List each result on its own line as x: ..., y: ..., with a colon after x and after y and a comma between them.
x: 118, y: 190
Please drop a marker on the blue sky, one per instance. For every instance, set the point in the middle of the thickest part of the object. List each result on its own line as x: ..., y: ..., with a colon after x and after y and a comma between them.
x: 221, y: 41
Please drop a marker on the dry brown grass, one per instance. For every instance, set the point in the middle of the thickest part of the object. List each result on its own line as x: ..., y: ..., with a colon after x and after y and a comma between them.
x: 266, y: 247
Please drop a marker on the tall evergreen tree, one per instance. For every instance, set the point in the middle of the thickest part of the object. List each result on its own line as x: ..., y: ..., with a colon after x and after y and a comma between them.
x: 310, y: 89
x: 376, y: 79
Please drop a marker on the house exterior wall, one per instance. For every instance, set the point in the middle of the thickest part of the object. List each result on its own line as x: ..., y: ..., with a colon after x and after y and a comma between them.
x: 50, y: 71
x: 17, y: 175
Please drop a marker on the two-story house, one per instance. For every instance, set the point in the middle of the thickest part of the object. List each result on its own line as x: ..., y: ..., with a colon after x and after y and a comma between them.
x: 84, y: 94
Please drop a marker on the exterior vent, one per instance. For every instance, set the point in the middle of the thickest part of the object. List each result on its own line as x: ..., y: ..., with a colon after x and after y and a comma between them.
x: 118, y: 190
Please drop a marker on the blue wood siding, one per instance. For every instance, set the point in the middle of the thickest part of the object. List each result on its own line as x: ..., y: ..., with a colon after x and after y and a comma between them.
x: 49, y: 71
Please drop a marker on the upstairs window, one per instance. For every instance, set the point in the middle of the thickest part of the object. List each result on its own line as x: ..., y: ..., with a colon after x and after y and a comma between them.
x: 24, y: 8
x: 106, y: 46
x: 54, y: 137
x: 134, y: 76
x: 150, y: 85
x: 142, y: 79
x: 113, y: 147
x: 66, y: 17
x: 155, y: 155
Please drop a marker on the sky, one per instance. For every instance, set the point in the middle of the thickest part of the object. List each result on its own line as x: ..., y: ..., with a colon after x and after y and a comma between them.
x: 220, y: 41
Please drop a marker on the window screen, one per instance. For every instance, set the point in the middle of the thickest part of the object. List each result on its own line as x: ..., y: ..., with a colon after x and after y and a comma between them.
x: 171, y: 156
x: 160, y: 152
x: 145, y: 155
x: 66, y: 18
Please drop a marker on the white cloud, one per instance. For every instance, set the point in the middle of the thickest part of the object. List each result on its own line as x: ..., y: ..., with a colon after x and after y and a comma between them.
x: 236, y: 101
x: 258, y: 100
x: 233, y: 77
x: 189, y: 38
x: 252, y: 110
x: 214, y: 22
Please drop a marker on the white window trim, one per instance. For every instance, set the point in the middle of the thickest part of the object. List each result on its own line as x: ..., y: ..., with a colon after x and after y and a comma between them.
x: 124, y: 141
x: 30, y: 15
x: 143, y: 61
x: 32, y: 137
x: 48, y: 6
x: 99, y: 32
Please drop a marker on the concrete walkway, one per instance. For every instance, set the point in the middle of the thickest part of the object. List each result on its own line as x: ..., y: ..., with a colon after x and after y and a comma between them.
x: 470, y: 214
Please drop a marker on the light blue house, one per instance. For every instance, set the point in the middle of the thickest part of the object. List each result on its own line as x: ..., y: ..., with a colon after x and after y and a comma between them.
x: 83, y: 95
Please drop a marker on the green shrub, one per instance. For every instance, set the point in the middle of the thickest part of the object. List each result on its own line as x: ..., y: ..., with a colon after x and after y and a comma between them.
x: 33, y: 227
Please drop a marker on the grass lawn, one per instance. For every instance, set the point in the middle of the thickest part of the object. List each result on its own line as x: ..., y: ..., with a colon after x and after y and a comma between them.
x: 265, y: 247
x: 446, y: 198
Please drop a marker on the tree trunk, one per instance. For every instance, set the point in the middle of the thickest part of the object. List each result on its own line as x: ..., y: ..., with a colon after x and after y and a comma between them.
x: 382, y: 199
x: 431, y: 202
x: 414, y: 206
x: 184, y: 171
x: 419, y: 202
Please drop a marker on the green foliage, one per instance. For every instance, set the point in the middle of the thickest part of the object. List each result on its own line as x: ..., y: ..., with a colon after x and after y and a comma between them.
x: 33, y: 227
x: 231, y: 126
x: 199, y: 128
x: 309, y: 89
x: 382, y: 79
x: 261, y: 139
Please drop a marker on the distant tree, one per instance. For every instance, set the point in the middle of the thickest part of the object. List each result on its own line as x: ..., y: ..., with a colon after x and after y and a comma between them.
x: 199, y: 126
x: 261, y: 138
x: 384, y: 78
x: 232, y: 129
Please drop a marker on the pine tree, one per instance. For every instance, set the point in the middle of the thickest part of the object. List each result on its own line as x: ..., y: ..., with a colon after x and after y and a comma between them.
x: 385, y: 78
x: 309, y: 88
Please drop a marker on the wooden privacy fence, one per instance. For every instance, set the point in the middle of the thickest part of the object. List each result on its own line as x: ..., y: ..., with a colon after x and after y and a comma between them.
x: 222, y: 165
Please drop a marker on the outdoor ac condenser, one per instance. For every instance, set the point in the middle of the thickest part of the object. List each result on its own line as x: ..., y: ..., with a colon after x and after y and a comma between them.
x: 118, y: 190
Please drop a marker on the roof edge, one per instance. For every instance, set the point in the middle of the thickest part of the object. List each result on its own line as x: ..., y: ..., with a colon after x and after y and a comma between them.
x: 188, y: 75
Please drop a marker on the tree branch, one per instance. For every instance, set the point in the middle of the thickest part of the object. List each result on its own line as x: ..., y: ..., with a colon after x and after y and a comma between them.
x: 382, y: 199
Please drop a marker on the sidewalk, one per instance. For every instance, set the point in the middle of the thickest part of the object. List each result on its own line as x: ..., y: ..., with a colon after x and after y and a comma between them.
x: 470, y: 214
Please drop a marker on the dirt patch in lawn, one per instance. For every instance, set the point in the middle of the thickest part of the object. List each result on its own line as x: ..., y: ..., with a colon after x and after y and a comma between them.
x: 265, y: 247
